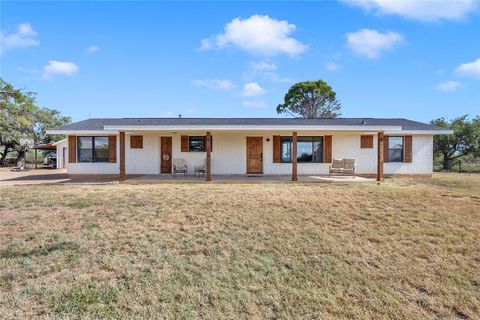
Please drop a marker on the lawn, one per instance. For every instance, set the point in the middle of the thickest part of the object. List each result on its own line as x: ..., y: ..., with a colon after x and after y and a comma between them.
x: 409, y: 248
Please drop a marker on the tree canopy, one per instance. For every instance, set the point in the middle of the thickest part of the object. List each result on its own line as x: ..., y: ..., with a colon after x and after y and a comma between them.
x: 464, y: 141
x: 22, y: 122
x: 311, y: 99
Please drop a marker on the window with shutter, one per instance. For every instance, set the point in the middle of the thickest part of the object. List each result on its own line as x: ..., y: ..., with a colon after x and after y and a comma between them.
x: 408, y: 149
x: 72, y: 149
x: 327, y: 149
x: 112, y: 149
x: 366, y: 142
x: 276, y: 149
x: 136, y: 142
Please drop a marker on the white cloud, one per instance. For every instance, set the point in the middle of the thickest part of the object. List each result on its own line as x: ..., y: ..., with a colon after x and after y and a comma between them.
x: 28, y: 70
x: 23, y: 37
x: 55, y: 67
x: 214, y: 84
x: 449, y: 86
x: 418, y: 9
x: 371, y: 43
x: 264, y: 71
x: 259, y: 35
x: 262, y: 66
x: 92, y: 49
x: 470, y: 69
x: 332, y: 66
x: 255, y: 104
x: 252, y: 89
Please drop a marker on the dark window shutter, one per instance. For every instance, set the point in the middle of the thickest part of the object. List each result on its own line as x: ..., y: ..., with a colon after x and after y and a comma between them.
x: 327, y: 149
x: 112, y: 149
x: 136, y: 142
x: 72, y: 149
x: 408, y: 148
x: 184, y: 144
x: 385, y: 148
x: 276, y: 149
x: 366, y: 142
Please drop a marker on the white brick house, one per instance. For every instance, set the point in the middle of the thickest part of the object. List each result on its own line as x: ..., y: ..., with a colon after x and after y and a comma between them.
x: 240, y: 146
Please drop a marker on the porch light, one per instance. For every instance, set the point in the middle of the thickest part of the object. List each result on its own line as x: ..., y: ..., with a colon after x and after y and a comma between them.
x: 268, y: 139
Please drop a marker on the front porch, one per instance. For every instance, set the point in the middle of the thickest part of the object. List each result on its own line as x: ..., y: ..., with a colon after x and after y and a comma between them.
x: 250, y: 157
x: 243, y: 178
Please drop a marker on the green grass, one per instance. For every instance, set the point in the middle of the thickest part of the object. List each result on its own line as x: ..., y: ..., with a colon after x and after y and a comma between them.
x: 404, y: 249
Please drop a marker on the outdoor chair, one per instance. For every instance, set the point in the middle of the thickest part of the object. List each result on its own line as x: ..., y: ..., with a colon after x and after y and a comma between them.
x: 342, y: 167
x: 201, y: 169
x: 179, y: 166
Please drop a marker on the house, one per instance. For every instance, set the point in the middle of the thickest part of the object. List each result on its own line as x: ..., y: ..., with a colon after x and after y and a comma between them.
x: 246, y: 145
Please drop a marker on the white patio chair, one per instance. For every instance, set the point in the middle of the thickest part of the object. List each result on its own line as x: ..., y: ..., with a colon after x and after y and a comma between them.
x: 179, y: 166
x: 201, y: 169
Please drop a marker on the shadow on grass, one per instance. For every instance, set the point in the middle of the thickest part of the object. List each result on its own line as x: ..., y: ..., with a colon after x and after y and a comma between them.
x: 14, y: 252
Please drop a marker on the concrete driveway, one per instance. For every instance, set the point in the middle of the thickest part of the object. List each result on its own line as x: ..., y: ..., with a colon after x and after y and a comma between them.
x: 46, y: 176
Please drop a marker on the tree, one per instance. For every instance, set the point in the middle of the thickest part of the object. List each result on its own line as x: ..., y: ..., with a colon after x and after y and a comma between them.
x: 22, y: 122
x: 464, y: 141
x: 311, y: 99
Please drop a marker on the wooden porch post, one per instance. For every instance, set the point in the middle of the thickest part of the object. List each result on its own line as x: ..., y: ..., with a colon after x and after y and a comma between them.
x: 380, y: 146
x: 209, y: 157
x: 294, y: 157
x: 36, y: 158
x: 122, y: 155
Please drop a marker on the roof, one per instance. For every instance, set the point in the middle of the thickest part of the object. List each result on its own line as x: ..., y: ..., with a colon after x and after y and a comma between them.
x: 100, y: 124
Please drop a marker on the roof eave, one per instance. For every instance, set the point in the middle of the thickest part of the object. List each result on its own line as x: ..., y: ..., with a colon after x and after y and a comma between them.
x: 251, y: 127
x: 427, y: 132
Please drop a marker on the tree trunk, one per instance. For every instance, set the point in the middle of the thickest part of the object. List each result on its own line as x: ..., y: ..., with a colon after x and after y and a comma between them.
x: 446, y: 162
x: 21, y: 158
x: 6, y: 150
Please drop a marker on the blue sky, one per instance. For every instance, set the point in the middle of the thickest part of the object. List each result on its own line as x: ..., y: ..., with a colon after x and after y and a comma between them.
x: 418, y: 60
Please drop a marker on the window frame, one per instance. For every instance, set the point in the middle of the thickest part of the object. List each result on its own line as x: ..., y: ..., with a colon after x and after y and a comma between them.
x: 288, y: 140
x: 402, y: 157
x: 200, y: 138
x: 94, y: 158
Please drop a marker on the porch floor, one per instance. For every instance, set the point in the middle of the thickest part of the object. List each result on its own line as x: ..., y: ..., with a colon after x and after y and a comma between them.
x: 244, y: 178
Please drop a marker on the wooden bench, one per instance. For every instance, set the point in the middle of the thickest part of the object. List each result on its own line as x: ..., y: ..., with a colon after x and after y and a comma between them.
x: 344, y: 167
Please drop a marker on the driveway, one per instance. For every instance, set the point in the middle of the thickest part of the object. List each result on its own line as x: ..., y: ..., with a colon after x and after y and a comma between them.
x: 46, y: 176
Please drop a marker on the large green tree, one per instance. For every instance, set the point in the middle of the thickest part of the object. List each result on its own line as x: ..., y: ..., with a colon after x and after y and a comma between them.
x: 22, y: 122
x: 465, y: 139
x: 311, y: 99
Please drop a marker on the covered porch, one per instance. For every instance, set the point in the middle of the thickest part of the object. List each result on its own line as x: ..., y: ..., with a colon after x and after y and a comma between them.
x: 259, y: 150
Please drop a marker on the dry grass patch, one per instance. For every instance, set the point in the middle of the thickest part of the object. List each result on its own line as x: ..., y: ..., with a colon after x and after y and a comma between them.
x: 406, y: 249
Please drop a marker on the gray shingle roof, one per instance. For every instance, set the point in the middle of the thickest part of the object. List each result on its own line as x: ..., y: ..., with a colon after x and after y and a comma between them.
x: 98, y: 124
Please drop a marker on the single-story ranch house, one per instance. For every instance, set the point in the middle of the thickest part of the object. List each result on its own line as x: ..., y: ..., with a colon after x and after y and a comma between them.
x: 246, y: 145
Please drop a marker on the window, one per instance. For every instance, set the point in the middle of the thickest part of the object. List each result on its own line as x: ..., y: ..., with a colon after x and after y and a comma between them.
x: 309, y: 149
x: 136, y: 142
x: 196, y: 144
x: 395, y: 149
x: 92, y: 149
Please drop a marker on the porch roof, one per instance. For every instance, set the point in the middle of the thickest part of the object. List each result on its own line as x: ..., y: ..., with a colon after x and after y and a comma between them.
x: 110, y: 125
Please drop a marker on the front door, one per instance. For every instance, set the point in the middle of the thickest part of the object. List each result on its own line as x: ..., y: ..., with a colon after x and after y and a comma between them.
x: 166, y: 155
x: 254, y: 154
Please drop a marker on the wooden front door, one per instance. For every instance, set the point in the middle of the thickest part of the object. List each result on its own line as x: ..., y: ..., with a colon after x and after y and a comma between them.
x: 254, y: 155
x: 166, y: 155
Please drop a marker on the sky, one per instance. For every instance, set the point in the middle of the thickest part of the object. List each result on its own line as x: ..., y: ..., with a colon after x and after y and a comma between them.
x: 386, y: 59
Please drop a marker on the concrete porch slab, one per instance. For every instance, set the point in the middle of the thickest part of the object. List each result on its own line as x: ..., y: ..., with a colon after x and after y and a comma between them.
x: 243, y: 178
